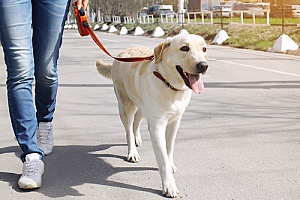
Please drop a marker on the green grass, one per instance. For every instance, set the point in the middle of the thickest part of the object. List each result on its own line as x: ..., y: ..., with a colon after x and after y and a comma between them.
x: 250, y: 20
x: 241, y: 36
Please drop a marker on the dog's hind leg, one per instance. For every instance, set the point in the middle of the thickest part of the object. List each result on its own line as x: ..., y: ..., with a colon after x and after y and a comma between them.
x: 171, y: 133
x: 136, y: 127
x: 127, y: 110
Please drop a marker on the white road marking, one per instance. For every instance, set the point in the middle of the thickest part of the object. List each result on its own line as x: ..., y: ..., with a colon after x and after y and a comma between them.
x: 260, y: 68
x: 108, y: 40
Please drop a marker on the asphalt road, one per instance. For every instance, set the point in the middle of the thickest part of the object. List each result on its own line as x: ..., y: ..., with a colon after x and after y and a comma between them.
x: 238, y: 140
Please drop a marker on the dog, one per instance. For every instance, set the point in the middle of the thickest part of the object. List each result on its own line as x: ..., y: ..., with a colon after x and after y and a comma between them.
x: 158, y: 90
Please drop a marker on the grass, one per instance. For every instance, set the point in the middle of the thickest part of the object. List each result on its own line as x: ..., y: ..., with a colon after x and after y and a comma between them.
x: 249, y: 20
x: 256, y: 37
x: 258, y: 20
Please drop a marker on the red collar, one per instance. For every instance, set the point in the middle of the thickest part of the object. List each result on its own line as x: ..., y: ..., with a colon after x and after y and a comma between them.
x: 158, y: 75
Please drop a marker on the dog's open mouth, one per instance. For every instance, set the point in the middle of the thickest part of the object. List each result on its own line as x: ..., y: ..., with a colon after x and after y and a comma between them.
x: 194, y: 82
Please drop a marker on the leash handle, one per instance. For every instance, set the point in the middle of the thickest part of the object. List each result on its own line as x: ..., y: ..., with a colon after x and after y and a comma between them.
x: 85, y: 29
x: 82, y: 21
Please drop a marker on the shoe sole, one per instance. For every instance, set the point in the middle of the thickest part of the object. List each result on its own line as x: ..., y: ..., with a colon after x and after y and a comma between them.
x: 29, y: 187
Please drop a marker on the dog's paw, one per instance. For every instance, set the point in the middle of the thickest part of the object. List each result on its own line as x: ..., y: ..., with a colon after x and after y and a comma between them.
x: 133, y: 157
x: 138, y: 140
x: 170, y: 190
x: 174, y: 168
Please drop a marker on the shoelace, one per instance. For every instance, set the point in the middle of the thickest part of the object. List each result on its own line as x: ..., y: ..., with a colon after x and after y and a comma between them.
x: 44, y: 135
x: 32, y: 167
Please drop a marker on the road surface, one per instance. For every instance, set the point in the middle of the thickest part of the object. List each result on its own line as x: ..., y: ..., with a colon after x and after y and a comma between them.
x: 238, y: 140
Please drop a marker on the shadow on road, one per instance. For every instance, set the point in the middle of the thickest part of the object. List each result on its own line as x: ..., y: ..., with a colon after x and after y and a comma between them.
x: 70, y: 166
x: 237, y: 85
x: 255, y: 85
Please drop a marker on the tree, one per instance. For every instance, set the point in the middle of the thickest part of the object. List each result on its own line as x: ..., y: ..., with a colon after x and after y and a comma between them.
x: 119, y: 7
x: 126, y: 7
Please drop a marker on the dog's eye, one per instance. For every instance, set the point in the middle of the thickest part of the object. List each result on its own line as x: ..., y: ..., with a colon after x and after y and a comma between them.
x: 204, y: 49
x: 185, y: 48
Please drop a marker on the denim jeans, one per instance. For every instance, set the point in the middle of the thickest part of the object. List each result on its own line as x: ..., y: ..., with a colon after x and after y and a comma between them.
x: 31, y: 35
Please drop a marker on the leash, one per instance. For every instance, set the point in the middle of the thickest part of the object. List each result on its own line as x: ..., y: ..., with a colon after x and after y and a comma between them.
x: 85, y: 29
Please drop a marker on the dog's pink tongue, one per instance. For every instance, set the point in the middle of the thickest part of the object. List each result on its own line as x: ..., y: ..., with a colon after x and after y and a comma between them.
x: 196, y: 83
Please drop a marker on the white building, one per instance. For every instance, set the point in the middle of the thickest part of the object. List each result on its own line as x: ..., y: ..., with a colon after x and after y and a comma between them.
x: 199, y: 5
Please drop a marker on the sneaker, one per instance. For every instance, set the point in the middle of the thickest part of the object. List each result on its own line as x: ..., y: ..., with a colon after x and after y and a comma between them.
x: 33, y: 169
x: 45, y: 137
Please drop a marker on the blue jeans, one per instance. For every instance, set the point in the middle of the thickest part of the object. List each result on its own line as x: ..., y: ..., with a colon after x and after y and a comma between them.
x: 31, y: 35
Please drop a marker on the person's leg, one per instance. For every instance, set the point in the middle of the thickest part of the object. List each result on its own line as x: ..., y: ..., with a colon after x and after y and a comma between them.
x: 48, y: 23
x: 16, y: 39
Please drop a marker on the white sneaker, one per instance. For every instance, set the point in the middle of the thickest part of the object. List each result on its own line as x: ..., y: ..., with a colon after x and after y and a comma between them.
x: 33, y: 169
x: 45, y: 137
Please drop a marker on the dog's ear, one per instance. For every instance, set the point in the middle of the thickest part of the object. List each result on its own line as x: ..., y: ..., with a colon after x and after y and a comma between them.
x: 158, y: 51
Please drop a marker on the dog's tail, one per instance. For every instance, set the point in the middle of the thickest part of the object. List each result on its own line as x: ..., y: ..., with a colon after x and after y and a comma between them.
x: 103, y: 68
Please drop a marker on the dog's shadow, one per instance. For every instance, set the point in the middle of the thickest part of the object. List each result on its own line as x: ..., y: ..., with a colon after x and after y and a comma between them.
x: 70, y: 166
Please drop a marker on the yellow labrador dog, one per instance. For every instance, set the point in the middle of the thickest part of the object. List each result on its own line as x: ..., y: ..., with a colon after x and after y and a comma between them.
x: 158, y: 90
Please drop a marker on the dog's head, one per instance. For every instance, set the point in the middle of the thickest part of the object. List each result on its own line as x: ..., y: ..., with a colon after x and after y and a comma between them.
x: 181, y: 60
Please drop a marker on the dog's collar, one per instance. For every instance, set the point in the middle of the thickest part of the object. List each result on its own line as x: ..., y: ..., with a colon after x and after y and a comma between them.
x: 158, y: 75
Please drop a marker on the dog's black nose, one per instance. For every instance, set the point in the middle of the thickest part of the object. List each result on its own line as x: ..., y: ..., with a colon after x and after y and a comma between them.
x: 201, y: 67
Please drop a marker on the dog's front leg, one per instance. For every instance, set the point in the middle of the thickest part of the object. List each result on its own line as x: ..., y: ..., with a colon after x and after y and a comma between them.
x: 171, y: 133
x: 158, y: 139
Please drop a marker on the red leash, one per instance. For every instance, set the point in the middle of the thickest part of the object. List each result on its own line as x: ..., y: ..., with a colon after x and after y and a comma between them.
x: 85, y: 29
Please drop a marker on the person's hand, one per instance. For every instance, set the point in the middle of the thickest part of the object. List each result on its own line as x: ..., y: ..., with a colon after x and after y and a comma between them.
x: 79, y: 3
